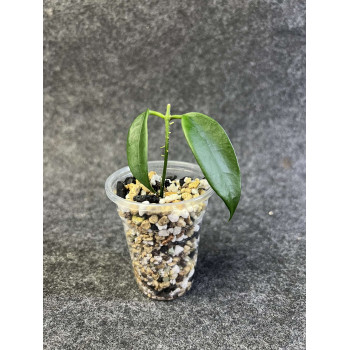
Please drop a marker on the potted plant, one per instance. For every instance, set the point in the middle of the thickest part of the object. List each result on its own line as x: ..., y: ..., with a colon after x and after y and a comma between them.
x: 162, y: 203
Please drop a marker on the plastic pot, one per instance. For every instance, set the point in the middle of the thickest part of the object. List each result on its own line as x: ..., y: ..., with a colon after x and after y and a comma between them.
x: 162, y: 238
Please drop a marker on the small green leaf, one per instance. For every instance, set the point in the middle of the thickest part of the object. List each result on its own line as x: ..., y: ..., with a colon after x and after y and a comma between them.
x: 137, y: 148
x: 215, y: 156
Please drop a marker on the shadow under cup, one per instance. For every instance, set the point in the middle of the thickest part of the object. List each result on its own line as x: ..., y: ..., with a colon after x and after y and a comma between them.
x: 162, y: 238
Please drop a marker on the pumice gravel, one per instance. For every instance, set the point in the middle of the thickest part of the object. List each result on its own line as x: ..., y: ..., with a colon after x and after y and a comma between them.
x: 163, y: 240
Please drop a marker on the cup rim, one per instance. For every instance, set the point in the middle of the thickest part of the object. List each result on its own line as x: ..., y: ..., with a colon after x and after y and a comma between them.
x: 125, y: 170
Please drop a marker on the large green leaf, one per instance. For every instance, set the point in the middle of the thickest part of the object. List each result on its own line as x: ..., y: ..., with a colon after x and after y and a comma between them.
x: 215, y: 155
x: 137, y: 148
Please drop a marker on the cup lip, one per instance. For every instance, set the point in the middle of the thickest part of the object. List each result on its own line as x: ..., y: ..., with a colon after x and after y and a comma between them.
x: 123, y: 171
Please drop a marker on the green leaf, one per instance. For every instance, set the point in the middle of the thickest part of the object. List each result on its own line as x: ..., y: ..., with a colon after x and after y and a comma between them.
x: 137, y: 148
x: 215, y: 156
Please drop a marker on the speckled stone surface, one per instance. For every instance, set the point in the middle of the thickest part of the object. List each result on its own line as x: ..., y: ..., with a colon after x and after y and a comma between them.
x: 241, y: 62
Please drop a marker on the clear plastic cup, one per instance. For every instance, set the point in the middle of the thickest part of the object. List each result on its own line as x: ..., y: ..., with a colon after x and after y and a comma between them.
x: 162, y: 238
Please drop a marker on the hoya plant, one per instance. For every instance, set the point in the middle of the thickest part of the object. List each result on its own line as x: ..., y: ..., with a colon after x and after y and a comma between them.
x: 209, y: 144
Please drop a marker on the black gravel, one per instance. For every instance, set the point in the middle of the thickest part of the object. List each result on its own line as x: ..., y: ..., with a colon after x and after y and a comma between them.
x: 191, y: 255
x: 167, y: 182
x: 156, y: 187
x: 130, y: 180
x: 182, y: 181
x: 146, y: 197
x: 164, y: 249
x: 121, y: 190
x: 154, y: 227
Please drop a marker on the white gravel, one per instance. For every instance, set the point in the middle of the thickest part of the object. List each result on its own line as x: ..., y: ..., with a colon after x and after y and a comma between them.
x: 178, y: 250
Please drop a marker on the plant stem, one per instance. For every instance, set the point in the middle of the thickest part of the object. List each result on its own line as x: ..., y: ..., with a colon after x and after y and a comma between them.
x: 167, y: 119
x: 160, y: 115
x: 176, y: 117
